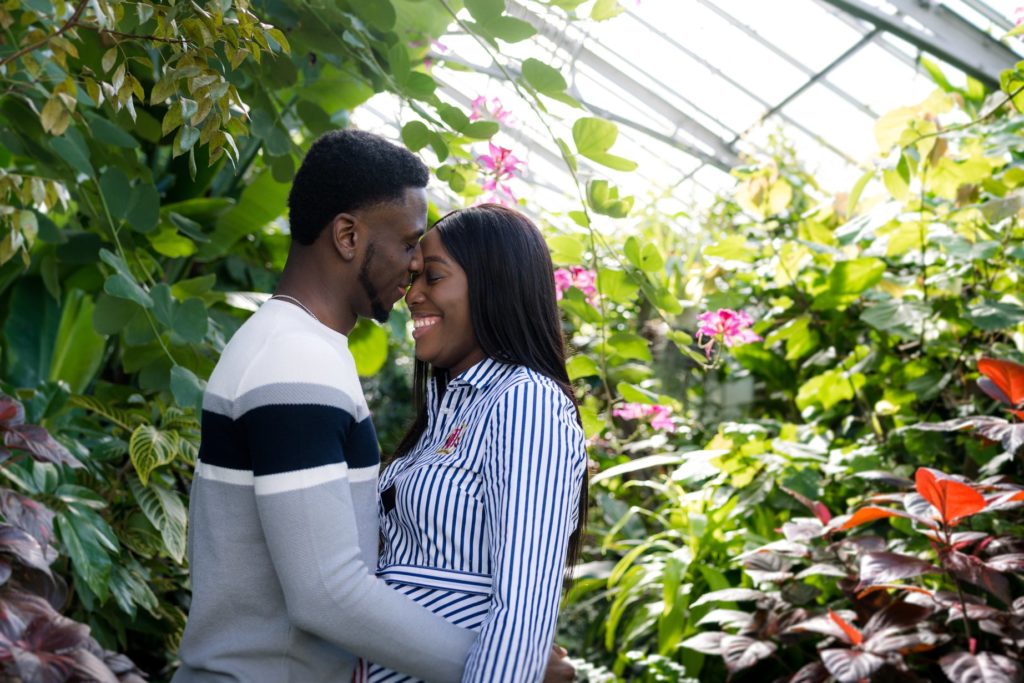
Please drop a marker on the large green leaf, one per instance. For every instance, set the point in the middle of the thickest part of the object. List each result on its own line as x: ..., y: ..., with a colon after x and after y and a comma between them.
x: 261, y: 202
x: 369, y: 346
x: 82, y: 533
x: 594, y: 137
x: 150, y: 448
x: 165, y: 511
x: 30, y: 332
x: 847, y: 281
x: 78, y: 349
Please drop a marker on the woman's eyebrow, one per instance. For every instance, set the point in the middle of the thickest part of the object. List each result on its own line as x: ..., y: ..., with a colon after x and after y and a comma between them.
x: 435, y: 259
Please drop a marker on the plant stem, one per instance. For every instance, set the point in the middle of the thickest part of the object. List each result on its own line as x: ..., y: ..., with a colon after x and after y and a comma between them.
x: 68, y: 25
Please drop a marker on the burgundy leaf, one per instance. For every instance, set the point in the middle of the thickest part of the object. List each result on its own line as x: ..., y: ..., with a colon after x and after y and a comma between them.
x: 742, y: 652
x: 728, y: 595
x: 710, y: 642
x: 16, y: 542
x: 974, y: 570
x: 886, y: 567
x: 887, y: 478
x: 11, y: 412
x: 1014, y: 562
x: 894, y: 640
x: 42, y: 667
x: 91, y: 668
x: 815, y: 672
x: 850, y: 666
x: 1009, y: 434
x: 822, y: 569
x: 767, y: 568
x: 5, y: 571
x: 732, y: 618
x: 28, y: 515
x: 825, y: 625
x: 898, y: 614
x: 55, y: 634
x: 37, y: 441
x: 802, y: 529
x: 817, y: 508
x: 985, y: 667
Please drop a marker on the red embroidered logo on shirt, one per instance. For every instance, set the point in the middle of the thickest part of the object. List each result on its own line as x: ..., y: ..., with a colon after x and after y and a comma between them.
x: 452, y: 441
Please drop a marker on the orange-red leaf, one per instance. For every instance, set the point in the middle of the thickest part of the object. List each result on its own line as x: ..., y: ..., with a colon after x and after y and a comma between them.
x: 1006, y: 375
x: 867, y: 514
x: 953, y: 500
x: 1018, y: 413
x: 855, y: 636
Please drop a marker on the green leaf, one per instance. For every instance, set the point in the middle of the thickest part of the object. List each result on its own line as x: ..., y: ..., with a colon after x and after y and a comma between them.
x: 111, y: 314
x: 261, y: 202
x: 510, y: 29
x: 543, y: 78
x: 191, y: 321
x: 369, y: 346
x: 453, y: 116
x: 415, y: 135
x: 630, y: 345
x: 109, y: 134
x: 734, y: 248
x: 186, y: 388
x: 75, y: 155
x: 594, y: 137
x: 606, y: 9
x: 485, y: 11
x: 78, y: 350
x: 828, y: 389
x: 565, y: 249
x: 902, y: 316
x: 29, y: 333
x: 82, y: 534
x: 617, y: 286
x: 116, y: 191
x: 143, y: 213
x: 581, y: 366
x: 858, y: 189
x: 481, y: 130
x: 380, y: 14
x: 150, y: 448
x: 165, y: 511
x: 847, y: 281
x: 171, y: 244
x: 121, y: 286
x: 635, y: 394
x: 995, y: 315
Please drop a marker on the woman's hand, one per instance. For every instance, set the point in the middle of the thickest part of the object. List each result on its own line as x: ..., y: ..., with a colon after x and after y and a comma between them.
x: 559, y: 669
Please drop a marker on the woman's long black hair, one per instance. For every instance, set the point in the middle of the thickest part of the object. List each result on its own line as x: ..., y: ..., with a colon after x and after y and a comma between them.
x: 512, y: 307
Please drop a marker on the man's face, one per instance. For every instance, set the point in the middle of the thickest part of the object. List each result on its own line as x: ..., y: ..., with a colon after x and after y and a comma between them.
x: 392, y: 232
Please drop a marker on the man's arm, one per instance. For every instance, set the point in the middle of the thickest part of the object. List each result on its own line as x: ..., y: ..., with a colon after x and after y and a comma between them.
x: 305, y: 505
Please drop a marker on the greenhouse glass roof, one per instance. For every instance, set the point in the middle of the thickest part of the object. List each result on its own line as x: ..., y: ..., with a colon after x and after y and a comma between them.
x: 695, y: 85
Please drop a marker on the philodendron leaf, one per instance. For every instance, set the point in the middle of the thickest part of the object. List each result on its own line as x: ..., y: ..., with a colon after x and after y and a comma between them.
x: 165, y: 510
x: 150, y: 448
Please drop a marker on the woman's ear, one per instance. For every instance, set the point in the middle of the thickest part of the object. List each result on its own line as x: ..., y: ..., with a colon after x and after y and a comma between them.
x: 344, y: 235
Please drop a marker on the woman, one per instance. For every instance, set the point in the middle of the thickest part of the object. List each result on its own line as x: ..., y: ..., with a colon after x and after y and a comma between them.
x: 485, y: 500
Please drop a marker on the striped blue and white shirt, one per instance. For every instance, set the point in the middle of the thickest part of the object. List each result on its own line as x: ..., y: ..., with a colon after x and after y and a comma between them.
x: 476, y: 519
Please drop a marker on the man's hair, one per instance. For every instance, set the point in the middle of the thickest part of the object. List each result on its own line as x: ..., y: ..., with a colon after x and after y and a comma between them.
x: 347, y: 170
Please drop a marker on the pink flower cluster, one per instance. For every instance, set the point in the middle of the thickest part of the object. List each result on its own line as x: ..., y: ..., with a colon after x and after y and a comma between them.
x: 725, y: 326
x: 502, y: 166
x: 489, y: 108
x: 579, y: 277
x: 660, y: 415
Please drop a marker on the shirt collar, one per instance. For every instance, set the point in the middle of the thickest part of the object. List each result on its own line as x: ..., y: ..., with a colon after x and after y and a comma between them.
x: 477, y: 376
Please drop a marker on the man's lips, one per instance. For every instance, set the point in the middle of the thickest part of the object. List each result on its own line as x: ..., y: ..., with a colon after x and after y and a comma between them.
x: 421, y: 324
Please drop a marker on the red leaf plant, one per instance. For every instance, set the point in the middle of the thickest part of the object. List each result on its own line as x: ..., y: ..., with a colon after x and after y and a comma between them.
x: 37, y: 643
x: 940, y: 603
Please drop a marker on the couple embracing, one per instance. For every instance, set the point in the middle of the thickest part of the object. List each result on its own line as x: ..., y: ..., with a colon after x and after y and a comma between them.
x: 310, y: 564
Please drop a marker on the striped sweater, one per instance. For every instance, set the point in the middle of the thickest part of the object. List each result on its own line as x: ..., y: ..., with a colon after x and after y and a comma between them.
x: 476, y: 518
x: 283, y: 526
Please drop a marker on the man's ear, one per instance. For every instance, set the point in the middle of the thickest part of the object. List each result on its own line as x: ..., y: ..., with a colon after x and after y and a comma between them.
x: 344, y: 235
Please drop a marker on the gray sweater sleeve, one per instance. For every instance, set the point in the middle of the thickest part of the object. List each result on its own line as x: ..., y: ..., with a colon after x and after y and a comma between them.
x: 329, y: 591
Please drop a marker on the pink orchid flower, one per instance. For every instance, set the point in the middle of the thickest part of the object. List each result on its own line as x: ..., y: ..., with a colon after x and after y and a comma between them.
x: 725, y: 326
x: 579, y: 277
x: 492, y: 109
x: 660, y: 415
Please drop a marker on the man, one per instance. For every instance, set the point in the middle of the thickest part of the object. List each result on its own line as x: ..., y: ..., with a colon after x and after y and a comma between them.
x: 283, y: 515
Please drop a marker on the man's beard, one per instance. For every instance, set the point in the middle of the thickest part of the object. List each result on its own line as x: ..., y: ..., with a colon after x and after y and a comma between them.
x: 377, y: 309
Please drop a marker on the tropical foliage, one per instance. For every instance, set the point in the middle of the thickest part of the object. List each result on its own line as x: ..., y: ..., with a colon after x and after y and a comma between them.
x: 784, y: 351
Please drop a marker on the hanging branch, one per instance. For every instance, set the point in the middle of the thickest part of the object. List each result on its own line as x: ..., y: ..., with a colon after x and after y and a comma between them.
x: 68, y: 25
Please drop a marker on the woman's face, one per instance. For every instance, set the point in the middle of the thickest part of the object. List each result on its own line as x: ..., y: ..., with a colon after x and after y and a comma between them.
x: 438, y: 299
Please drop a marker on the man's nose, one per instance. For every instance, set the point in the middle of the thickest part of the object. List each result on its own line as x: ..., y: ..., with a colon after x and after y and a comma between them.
x: 416, y: 262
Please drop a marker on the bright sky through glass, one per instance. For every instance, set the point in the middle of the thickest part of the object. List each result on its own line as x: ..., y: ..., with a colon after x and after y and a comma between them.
x: 694, y: 85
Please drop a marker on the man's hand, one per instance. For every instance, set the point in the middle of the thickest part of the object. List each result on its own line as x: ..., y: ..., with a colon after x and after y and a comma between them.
x: 559, y: 669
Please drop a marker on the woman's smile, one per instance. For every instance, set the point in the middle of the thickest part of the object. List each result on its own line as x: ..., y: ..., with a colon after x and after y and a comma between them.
x: 422, y: 324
